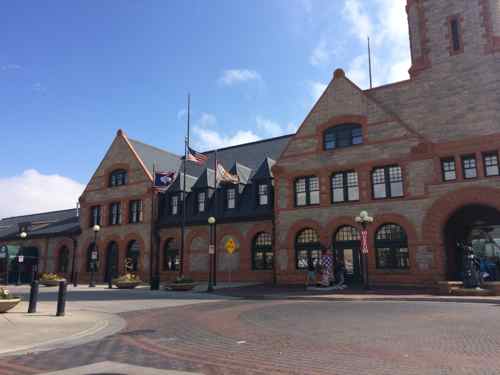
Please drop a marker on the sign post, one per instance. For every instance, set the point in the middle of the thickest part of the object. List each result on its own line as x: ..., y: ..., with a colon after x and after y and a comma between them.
x: 230, y: 248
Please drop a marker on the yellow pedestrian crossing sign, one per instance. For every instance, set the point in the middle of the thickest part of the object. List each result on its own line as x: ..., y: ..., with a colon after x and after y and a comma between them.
x: 230, y: 246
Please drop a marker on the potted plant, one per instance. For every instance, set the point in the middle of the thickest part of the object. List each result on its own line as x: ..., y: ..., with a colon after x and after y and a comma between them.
x: 127, y: 281
x: 50, y: 279
x: 181, y: 284
x: 7, y: 300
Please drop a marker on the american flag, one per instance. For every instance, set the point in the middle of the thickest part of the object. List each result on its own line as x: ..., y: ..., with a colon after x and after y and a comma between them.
x: 196, y: 157
x: 364, y: 241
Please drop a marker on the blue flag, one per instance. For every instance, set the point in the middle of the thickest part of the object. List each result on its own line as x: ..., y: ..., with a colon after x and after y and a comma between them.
x: 164, y: 179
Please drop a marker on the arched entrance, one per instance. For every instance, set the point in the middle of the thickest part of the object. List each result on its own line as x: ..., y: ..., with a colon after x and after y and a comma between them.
x: 346, y: 246
x: 478, y: 225
x: 111, y: 261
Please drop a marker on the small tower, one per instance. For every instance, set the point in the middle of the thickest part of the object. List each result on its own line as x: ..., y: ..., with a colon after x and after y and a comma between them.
x: 455, y: 34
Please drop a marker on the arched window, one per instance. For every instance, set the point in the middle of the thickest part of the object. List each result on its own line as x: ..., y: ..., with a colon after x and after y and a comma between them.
x: 342, y: 136
x: 171, y: 260
x: 133, y: 253
x: 391, y: 247
x: 63, y: 260
x: 307, y: 249
x: 347, y: 233
x: 92, y: 257
x: 118, y: 177
x: 262, y: 252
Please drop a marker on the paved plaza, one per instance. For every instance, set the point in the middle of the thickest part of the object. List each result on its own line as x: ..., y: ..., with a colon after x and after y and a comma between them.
x: 283, y: 333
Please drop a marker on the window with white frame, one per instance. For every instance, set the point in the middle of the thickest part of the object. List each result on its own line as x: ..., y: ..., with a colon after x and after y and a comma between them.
x: 202, y: 196
x: 469, y: 166
x: 307, y: 191
x: 345, y: 187
x: 174, y: 204
x: 387, y: 182
x: 490, y: 160
x: 231, y: 198
x: 449, y: 169
x: 263, y: 194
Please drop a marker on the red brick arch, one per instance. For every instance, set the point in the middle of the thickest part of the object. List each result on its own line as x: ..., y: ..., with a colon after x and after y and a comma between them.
x: 303, y: 224
x: 335, y: 224
x: 442, y: 210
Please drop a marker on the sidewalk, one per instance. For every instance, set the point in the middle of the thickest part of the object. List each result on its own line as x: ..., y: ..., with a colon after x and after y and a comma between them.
x: 91, y: 314
x: 24, y: 333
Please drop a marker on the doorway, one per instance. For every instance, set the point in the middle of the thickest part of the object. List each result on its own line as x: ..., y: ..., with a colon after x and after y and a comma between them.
x: 478, y: 226
x: 346, y: 246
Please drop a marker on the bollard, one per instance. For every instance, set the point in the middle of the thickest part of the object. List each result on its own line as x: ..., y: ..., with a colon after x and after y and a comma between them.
x: 61, y: 298
x: 33, y: 297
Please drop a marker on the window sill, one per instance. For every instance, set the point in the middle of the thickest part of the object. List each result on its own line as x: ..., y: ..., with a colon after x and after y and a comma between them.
x: 393, y: 270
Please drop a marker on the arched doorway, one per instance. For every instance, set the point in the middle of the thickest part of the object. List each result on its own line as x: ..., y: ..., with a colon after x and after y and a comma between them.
x: 133, y: 253
x: 478, y: 225
x: 111, y: 261
x: 346, y: 246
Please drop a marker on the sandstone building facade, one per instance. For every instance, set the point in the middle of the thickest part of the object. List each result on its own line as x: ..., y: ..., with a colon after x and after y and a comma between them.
x: 421, y: 156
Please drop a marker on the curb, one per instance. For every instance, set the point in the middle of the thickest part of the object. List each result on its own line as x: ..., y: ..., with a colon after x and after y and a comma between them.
x: 380, y: 299
x: 106, y: 325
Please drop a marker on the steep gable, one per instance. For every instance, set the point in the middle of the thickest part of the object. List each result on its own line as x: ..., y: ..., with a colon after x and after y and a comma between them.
x: 120, y: 155
x: 342, y: 101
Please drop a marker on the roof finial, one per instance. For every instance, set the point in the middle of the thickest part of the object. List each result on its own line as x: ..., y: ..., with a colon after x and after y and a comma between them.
x: 339, y: 73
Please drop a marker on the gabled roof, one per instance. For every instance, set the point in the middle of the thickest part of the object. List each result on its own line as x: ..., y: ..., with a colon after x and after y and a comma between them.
x: 54, y: 222
x: 152, y: 156
x: 178, y: 184
x: 241, y: 171
x: 205, y: 180
x: 264, y: 171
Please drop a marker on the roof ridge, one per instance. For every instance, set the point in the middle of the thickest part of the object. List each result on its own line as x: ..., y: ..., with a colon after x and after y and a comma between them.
x: 249, y: 143
x: 155, y: 147
x: 38, y: 214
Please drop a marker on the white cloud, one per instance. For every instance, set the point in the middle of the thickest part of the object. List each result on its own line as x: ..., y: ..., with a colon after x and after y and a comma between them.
x: 231, y: 77
x: 386, y: 23
x: 33, y: 192
x: 273, y: 129
x: 206, y: 136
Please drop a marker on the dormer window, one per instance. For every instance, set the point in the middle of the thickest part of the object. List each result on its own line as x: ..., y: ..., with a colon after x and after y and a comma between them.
x: 201, y: 198
x: 95, y: 216
x: 230, y: 198
x: 340, y: 136
x: 174, y: 204
x: 118, y: 178
x: 263, y: 195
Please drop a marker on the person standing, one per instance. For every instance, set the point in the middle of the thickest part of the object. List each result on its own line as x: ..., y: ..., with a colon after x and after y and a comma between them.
x: 311, y: 272
x: 327, y: 268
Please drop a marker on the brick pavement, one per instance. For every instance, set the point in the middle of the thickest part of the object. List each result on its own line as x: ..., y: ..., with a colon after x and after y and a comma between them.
x: 295, y: 337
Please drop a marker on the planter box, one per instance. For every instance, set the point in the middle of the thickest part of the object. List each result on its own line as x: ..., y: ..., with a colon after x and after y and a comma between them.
x: 180, y: 287
x: 127, y: 284
x: 447, y: 287
x: 50, y: 282
x: 7, y: 304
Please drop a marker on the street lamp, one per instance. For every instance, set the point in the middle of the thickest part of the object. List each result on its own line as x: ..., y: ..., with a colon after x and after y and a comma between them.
x: 364, y: 219
x: 211, y: 252
x: 23, y: 235
x: 93, y: 257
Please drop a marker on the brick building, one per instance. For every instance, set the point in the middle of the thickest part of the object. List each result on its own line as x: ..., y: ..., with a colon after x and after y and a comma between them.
x: 421, y: 156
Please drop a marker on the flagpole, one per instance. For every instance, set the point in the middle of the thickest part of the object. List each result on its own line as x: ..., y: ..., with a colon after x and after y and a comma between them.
x: 186, y: 145
x: 154, y: 278
x: 214, y: 263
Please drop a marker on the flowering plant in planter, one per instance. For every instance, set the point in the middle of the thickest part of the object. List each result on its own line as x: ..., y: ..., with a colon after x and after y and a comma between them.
x: 50, y: 279
x: 7, y: 300
x: 181, y: 283
x: 183, y: 280
x: 128, y: 280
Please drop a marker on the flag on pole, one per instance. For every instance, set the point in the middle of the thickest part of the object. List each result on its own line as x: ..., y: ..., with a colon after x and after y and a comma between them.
x: 196, y: 157
x: 364, y: 241
x: 225, y: 176
x: 164, y: 179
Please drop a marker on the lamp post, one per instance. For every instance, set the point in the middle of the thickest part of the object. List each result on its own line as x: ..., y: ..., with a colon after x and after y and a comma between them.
x: 211, y: 252
x: 364, y: 219
x: 23, y: 235
x: 93, y: 257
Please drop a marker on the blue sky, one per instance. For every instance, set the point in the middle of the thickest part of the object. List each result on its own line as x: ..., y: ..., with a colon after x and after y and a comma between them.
x: 72, y: 73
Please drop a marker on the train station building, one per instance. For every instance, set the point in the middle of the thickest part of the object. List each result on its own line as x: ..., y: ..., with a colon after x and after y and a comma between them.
x: 420, y: 156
